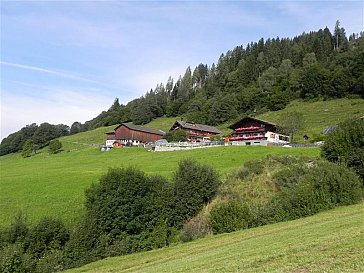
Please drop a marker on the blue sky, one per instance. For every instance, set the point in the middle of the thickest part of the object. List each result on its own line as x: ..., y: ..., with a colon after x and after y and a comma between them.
x: 66, y: 61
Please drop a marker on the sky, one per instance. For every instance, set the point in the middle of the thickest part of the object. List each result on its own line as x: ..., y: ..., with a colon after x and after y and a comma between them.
x: 66, y: 61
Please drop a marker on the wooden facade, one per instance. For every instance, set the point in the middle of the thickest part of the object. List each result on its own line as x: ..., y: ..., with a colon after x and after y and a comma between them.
x: 195, y: 131
x: 135, y: 135
x: 253, y: 131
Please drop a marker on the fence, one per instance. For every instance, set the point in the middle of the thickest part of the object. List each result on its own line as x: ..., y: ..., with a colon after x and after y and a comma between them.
x: 177, y: 146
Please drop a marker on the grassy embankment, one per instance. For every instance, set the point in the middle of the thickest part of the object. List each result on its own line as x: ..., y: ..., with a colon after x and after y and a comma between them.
x: 326, y: 242
x: 54, y: 184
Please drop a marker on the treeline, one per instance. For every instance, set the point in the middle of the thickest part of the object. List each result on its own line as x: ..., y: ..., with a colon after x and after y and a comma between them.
x: 265, y: 75
x: 32, y: 137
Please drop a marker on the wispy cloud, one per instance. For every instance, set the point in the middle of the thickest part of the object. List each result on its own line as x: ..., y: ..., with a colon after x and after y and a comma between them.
x: 50, y: 71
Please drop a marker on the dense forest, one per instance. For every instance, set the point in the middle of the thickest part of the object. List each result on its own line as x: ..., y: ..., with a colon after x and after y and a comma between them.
x: 262, y: 76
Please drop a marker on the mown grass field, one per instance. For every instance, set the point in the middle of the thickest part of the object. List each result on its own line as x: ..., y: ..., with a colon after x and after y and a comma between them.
x: 54, y: 184
x: 330, y: 241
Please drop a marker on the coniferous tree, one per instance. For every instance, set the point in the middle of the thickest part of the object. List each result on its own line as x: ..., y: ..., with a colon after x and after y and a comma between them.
x: 28, y: 148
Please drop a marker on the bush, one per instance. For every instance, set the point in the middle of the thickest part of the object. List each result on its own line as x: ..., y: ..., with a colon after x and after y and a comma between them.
x: 54, y: 146
x: 83, y: 244
x: 48, y: 234
x: 14, y: 260
x: 194, y: 185
x: 28, y: 148
x: 195, y: 228
x: 17, y: 232
x: 176, y: 136
x: 346, y: 144
x: 229, y: 217
x: 254, y: 166
x: 51, y: 262
x: 288, y: 177
x: 356, y: 162
x: 315, y: 188
x: 125, y: 201
x: 243, y: 173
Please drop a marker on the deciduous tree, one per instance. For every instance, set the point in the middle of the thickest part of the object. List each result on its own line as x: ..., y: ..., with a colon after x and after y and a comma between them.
x: 291, y: 123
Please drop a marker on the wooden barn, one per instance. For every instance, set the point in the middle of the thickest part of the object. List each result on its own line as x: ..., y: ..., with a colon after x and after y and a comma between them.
x: 196, y: 132
x: 127, y: 134
x: 253, y: 131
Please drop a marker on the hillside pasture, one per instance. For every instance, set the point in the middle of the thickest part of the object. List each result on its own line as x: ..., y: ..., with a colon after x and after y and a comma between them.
x: 318, y: 115
x: 54, y: 185
x: 330, y: 241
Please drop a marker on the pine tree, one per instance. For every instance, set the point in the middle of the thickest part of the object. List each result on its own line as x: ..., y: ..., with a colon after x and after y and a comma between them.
x: 27, y: 148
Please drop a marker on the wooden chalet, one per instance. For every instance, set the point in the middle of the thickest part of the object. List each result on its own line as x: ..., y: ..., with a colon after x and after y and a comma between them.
x: 196, y: 132
x: 127, y: 134
x: 253, y: 131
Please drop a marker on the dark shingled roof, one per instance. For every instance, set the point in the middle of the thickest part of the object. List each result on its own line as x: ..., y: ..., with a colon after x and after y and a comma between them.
x: 142, y: 129
x: 233, y: 126
x: 200, y: 127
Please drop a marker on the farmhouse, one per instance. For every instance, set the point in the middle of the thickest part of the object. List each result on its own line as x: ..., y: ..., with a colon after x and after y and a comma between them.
x: 253, y: 131
x: 196, y: 132
x: 127, y: 134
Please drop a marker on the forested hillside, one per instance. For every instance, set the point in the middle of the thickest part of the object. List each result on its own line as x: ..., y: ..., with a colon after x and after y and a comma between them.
x: 265, y: 75
x: 262, y: 76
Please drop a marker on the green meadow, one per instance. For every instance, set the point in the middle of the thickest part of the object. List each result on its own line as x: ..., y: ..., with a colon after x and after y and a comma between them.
x: 330, y: 241
x: 54, y: 184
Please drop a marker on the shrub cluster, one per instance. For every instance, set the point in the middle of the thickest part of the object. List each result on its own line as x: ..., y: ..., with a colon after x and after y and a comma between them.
x: 36, y: 249
x: 250, y: 167
x: 303, y: 188
x: 176, y: 136
x: 195, y: 228
x: 126, y: 212
x: 229, y: 216
x: 346, y: 145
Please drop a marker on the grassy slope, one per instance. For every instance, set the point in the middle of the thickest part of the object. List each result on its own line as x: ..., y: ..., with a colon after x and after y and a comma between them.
x: 327, y: 242
x: 86, y: 139
x: 54, y: 184
x: 320, y: 114
x: 317, y: 115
